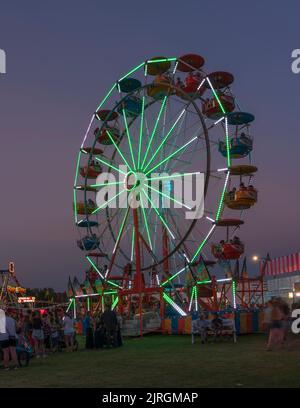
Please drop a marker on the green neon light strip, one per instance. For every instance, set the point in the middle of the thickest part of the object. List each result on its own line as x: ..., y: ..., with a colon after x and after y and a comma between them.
x: 107, y: 202
x: 174, y: 276
x: 94, y: 266
x: 154, y: 129
x: 171, y: 155
x: 141, y: 132
x: 203, y: 243
x: 161, y: 60
x: 147, y: 225
x: 112, y: 292
x: 191, y: 300
x: 216, y: 96
x: 174, y: 176
x: 75, y: 182
x: 132, y: 71
x: 204, y: 282
x: 75, y: 206
x: 129, y: 138
x: 173, y: 304
x: 227, y: 143
x: 114, y: 284
x: 164, y: 139
x: 77, y: 168
x: 70, y: 304
x: 196, y: 298
x: 110, y: 165
x: 107, y: 96
x: 113, y: 183
x: 115, y: 303
x: 118, y: 150
x: 158, y: 214
x: 168, y: 197
x: 121, y: 230
x: 222, y: 197
x: 234, y: 293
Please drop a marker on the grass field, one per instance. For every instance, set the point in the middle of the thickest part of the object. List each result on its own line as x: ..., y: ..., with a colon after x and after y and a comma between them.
x: 165, y: 361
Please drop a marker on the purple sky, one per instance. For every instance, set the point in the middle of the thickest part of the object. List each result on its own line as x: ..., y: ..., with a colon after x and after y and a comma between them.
x: 61, y: 58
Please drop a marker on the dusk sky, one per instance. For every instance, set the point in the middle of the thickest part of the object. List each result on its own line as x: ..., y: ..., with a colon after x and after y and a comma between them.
x: 62, y: 56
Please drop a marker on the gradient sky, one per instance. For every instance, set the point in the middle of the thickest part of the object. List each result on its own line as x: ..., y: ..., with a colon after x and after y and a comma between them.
x: 63, y: 55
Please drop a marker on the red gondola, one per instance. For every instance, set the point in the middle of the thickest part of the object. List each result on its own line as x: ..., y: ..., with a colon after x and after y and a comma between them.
x: 190, y: 62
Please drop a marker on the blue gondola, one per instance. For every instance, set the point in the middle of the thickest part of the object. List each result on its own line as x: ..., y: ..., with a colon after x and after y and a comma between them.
x: 129, y: 85
x: 240, y: 147
x: 88, y: 243
x: 240, y: 118
x: 132, y: 106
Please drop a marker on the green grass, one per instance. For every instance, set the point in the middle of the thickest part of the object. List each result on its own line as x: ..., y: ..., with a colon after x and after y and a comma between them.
x: 165, y: 361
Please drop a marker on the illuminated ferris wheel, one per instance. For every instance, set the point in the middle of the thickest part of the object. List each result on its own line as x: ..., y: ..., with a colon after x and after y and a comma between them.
x: 165, y: 121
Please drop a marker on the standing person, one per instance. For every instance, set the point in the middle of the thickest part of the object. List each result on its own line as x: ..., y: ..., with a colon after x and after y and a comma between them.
x: 110, y: 323
x: 11, y: 330
x: 286, y: 313
x: 27, y: 326
x: 54, y: 333
x: 89, y: 339
x: 47, y: 332
x: 4, y: 346
x: 86, y: 322
x: 268, y: 317
x: 38, y: 335
x: 68, y: 326
x: 276, y: 328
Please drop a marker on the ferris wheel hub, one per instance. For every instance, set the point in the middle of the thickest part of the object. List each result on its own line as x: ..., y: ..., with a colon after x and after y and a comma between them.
x: 133, y: 179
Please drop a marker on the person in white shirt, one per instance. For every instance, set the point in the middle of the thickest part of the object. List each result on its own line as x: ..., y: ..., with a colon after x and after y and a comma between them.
x: 68, y: 325
x: 8, y: 342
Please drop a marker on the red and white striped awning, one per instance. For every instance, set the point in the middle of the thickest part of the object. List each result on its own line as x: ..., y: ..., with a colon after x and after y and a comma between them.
x: 282, y: 265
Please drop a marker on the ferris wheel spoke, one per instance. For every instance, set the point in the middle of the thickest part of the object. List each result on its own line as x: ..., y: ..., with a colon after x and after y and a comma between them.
x: 165, y: 139
x: 141, y: 132
x: 132, y: 244
x: 110, y: 165
x: 159, y: 215
x: 154, y: 129
x: 118, y: 149
x: 112, y: 183
x: 146, y: 224
x: 169, y: 197
x: 107, y: 202
x: 172, y: 155
x: 120, y: 234
x: 174, y: 176
x: 128, y: 137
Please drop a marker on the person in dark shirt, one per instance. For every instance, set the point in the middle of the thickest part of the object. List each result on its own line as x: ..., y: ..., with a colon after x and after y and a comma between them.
x: 109, y: 322
x: 38, y: 335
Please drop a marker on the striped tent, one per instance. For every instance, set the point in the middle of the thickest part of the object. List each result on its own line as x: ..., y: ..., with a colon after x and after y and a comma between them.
x: 282, y: 265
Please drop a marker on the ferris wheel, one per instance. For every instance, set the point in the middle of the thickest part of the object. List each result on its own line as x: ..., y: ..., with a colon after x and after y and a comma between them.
x: 165, y: 128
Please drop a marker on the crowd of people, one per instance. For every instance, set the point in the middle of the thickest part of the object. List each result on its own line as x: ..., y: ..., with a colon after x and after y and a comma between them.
x: 43, y: 333
x: 102, y: 329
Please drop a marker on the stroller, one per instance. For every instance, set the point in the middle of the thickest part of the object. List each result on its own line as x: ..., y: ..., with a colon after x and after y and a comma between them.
x: 24, y: 351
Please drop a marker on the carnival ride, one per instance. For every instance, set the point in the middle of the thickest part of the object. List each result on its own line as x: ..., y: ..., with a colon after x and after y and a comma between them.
x: 166, y: 120
x: 10, y: 289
